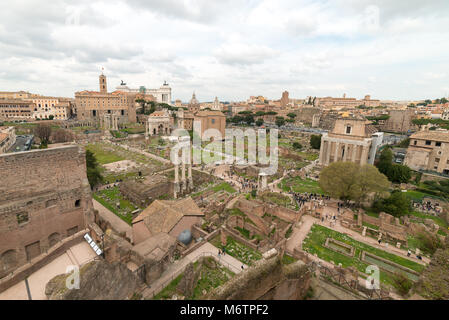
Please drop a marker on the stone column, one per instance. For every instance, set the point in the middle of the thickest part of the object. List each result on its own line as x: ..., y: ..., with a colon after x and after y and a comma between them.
x: 146, y: 130
x: 354, y: 152
x: 328, y: 155
x: 176, y: 186
x: 364, y: 158
x: 345, y: 156
x: 322, y: 152
x: 337, y: 147
x: 190, y: 177
x: 183, y: 178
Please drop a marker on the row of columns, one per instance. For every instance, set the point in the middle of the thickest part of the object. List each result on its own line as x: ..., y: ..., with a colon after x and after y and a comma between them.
x: 186, y: 184
x: 326, y: 150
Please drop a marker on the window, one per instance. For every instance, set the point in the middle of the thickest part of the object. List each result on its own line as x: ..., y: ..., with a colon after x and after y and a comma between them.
x: 348, y: 130
x: 437, y: 160
x: 438, y: 144
x: 428, y: 143
x: 213, y: 121
x: 77, y: 203
x: 22, y: 218
x: 416, y: 142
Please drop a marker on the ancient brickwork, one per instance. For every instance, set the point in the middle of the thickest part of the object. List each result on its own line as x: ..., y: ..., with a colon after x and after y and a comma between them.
x: 44, y: 198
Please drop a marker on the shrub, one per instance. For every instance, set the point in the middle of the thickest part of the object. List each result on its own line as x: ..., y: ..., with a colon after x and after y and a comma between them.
x: 402, y: 283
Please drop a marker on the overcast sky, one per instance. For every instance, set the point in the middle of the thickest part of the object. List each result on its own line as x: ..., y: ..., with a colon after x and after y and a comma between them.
x: 229, y: 48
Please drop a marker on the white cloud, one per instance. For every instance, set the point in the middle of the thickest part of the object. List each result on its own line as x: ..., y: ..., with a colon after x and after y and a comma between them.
x: 230, y: 49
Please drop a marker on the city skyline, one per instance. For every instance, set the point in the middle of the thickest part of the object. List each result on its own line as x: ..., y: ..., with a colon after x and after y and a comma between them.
x: 393, y: 51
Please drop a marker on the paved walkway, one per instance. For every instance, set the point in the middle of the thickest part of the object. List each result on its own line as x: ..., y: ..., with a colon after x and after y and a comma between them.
x: 116, y: 223
x: 78, y: 255
x: 178, y: 267
x: 307, y: 221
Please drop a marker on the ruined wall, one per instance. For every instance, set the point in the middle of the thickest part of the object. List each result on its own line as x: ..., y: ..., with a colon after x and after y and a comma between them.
x: 267, y: 280
x: 44, y: 198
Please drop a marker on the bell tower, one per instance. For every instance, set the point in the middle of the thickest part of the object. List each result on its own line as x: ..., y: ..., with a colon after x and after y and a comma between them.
x: 103, y: 84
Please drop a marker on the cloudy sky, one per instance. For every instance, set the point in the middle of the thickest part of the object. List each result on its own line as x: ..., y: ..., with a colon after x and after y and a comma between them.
x: 229, y: 48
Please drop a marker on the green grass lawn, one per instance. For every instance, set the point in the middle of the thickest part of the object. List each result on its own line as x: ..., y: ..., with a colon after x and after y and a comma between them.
x: 209, y: 279
x: 225, y: 187
x: 299, y: 185
x: 422, y: 216
x: 104, y: 156
x: 108, y: 198
x: 314, y: 244
x: 238, y: 250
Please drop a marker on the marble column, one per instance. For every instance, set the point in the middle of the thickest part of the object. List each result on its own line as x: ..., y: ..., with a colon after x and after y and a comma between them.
x: 328, y: 154
x: 176, y: 186
x: 354, y: 152
x: 183, y: 179
x: 337, y: 151
x: 322, y: 152
x: 364, y: 158
x: 346, y: 148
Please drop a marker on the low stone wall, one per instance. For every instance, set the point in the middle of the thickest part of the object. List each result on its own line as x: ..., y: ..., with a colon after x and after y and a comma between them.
x: 284, y: 213
x: 267, y: 280
x: 39, y: 262
x: 339, y: 243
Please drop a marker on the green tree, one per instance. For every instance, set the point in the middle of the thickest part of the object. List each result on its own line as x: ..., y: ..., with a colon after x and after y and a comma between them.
x: 297, y: 145
x: 280, y: 121
x: 350, y: 181
x: 292, y: 115
x: 259, y: 122
x: 315, y: 142
x: 397, y: 204
x: 385, y: 160
x: 399, y: 174
x: 260, y: 113
x: 93, y: 169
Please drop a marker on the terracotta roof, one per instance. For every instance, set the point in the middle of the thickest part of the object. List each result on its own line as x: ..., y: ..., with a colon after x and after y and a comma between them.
x: 155, y: 247
x: 442, y: 136
x: 163, y: 215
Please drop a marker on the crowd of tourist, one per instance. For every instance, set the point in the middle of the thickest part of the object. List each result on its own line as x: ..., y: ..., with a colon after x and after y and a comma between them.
x: 427, y: 207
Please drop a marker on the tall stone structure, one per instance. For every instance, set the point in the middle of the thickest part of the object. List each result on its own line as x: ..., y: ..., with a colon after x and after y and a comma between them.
x: 93, y: 105
x: 350, y: 140
x: 44, y: 197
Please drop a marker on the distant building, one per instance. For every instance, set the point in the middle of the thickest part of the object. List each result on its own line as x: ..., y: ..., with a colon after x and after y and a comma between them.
x: 400, y: 121
x: 210, y: 120
x: 194, y: 104
x: 93, y: 105
x: 45, y: 107
x: 16, y: 109
x: 329, y: 102
x: 161, y: 95
x: 285, y: 100
x: 7, y: 138
x: 350, y: 140
x: 158, y: 123
x: 15, y: 95
x: 429, y: 150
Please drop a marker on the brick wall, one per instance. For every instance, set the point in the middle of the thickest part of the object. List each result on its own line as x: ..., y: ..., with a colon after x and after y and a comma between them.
x: 44, y: 198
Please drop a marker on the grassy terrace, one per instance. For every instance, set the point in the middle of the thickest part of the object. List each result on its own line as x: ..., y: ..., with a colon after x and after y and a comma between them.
x: 299, y: 185
x: 209, y: 279
x: 103, y: 155
x: 109, y: 198
x: 238, y: 250
x: 314, y: 244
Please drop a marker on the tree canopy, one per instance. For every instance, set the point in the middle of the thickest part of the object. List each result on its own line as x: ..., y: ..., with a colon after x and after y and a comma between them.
x: 315, y: 141
x: 93, y: 169
x: 351, y: 181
